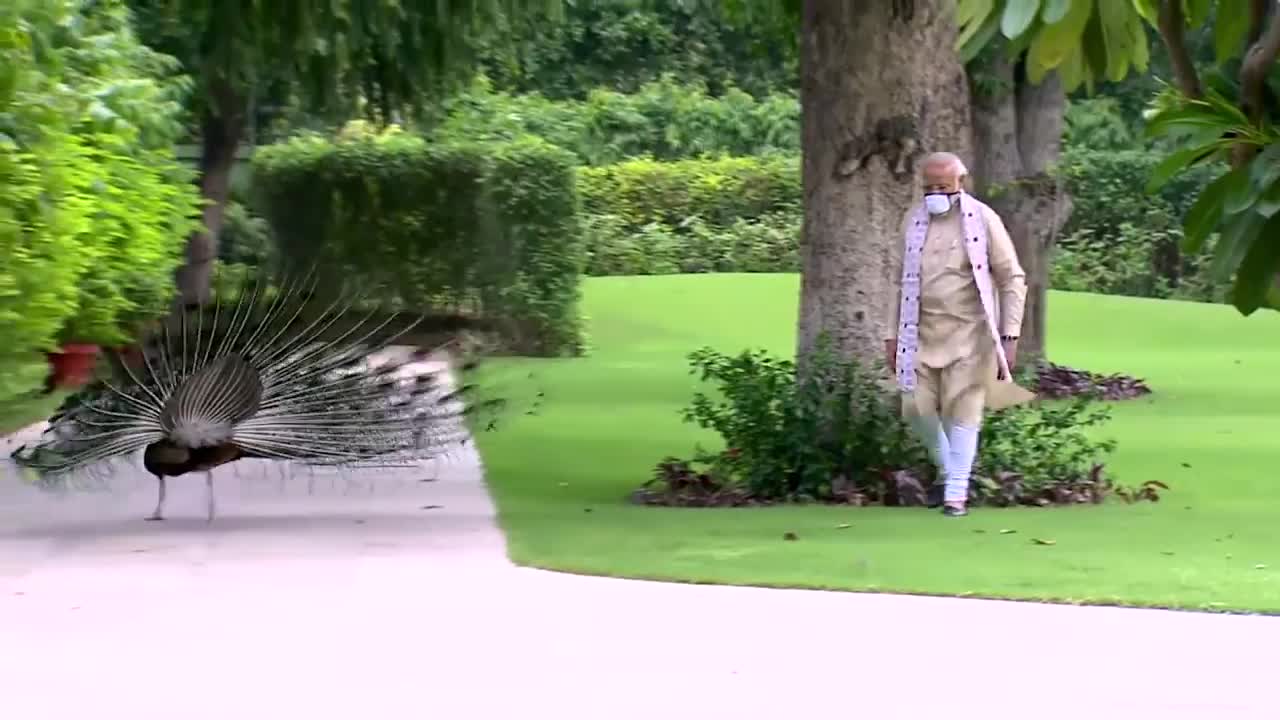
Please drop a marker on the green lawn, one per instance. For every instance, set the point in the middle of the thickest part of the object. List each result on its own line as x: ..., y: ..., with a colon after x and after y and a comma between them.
x: 561, y: 478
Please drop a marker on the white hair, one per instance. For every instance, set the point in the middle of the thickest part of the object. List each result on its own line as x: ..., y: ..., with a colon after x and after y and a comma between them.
x: 950, y: 160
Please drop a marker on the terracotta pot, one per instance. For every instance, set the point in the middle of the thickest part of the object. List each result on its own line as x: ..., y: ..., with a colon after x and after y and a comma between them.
x: 73, y: 366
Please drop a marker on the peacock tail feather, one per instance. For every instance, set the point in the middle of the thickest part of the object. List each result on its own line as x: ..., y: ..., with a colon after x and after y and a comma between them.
x: 278, y: 369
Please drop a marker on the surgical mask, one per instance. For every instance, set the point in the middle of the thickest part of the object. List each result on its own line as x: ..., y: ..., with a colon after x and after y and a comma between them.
x: 937, y: 203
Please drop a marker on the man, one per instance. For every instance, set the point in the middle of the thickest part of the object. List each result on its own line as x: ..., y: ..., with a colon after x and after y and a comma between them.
x: 954, y: 319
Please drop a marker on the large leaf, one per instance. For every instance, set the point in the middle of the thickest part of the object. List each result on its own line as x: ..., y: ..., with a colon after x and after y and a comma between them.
x: 1094, y: 44
x: 973, y: 43
x: 1172, y: 165
x: 1230, y: 29
x: 1114, y: 17
x: 1056, y: 42
x: 1198, y: 12
x: 1258, y: 268
x: 1148, y: 9
x: 1055, y: 10
x: 973, y: 12
x: 1238, y: 234
x: 1017, y: 17
x: 1206, y: 212
x: 1268, y: 204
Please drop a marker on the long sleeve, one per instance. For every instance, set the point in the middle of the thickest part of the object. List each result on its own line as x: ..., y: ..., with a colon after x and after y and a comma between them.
x: 893, y: 303
x: 1007, y: 274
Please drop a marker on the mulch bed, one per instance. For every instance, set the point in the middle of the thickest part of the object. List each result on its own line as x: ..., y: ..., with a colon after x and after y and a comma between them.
x: 1058, y: 382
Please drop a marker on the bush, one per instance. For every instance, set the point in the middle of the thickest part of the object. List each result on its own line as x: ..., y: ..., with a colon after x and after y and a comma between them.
x: 245, y: 238
x: 834, y: 434
x: 95, y: 208
x: 488, y: 228
x: 718, y: 192
x: 664, y: 120
x: 769, y: 243
x: 1122, y: 241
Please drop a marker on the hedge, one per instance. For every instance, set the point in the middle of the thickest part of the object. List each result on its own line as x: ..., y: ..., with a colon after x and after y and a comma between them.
x: 719, y: 191
x: 487, y: 228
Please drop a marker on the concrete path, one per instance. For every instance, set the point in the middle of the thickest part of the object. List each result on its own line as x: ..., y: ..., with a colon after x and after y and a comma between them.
x: 389, y: 595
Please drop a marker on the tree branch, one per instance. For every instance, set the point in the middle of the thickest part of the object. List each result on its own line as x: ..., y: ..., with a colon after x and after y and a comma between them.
x: 1257, y: 63
x: 1172, y: 25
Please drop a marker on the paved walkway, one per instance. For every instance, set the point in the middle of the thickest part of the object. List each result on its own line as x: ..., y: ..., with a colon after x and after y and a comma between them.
x: 390, y: 596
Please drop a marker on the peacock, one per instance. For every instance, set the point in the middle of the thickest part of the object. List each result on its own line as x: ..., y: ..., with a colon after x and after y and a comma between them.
x: 272, y: 368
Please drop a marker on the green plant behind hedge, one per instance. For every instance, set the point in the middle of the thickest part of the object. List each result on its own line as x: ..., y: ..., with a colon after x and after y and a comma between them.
x: 486, y: 228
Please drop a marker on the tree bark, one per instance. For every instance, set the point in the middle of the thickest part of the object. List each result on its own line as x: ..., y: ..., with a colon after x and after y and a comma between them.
x: 880, y: 87
x: 1017, y: 140
x: 222, y: 130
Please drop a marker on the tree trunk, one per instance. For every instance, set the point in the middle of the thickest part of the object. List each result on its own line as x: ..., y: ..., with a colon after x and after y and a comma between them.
x: 222, y: 129
x: 877, y: 93
x: 1017, y: 135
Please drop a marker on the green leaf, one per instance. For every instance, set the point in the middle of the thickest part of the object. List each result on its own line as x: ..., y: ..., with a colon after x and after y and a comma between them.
x: 1018, y: 16
x: 1230, y: 28
x: 1198, y: 12
x: 1115, y: 18
x: 1148, y: 10
x: 1095, y: 47
x: 974, y: 12
x: 1234, y: 242
x: 973, y: 42
x: 1268, y: 203
x: 1172, y: 165
x: 1257, y: 269
x: 1055, y: 10
x: 1055, y: 43
x: 1205, y: 213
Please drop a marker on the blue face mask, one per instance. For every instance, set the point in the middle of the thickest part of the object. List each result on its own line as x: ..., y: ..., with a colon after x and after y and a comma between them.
x: 939, y: 203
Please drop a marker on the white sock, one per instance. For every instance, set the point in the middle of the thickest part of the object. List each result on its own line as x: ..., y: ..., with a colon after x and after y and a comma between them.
x: 964, y: 447
x: 931, y: 432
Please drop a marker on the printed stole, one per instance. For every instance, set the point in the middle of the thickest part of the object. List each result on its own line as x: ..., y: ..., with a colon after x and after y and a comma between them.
x: 976, y: 245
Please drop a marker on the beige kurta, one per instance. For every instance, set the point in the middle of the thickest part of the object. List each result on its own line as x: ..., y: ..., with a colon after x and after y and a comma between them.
x: 956, y: 358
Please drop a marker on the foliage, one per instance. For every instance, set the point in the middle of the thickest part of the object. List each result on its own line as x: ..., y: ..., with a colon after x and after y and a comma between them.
x: 769, y: 243
x: 245, y: 238
x: 665, y: 119
x: 830, y: 433
x: 379, y: 57
x: 1120, y: 239
x: 1242, y: 204
x: 1228, y: 113
x: 623, y: 45
x: 488, y: 228
x: 93, y: 198
x: 825, y: 434
x: 718, y: 191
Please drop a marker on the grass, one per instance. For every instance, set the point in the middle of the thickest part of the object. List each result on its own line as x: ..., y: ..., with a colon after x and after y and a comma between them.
x: 561, y: 478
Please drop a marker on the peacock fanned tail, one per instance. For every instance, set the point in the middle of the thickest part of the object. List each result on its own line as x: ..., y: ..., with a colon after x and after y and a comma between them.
x: 280, y: 371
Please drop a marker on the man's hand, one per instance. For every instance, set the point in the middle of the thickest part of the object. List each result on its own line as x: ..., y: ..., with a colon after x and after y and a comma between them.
x: 891, y: 355
x: 1010, y: 354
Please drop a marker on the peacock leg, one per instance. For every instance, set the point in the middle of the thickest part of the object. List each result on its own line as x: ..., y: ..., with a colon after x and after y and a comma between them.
x: 208, y: 483
x: 159, y: 513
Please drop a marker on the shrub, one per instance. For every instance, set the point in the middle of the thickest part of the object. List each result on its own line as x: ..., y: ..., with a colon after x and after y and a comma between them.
x: 95, y: 208
x: 487, y: 227
x: 665, y: 120
x: 1122, y: 241
x: 245, y: 238
x: 833, y: 433
x: 769, y: 243
x: 718, y: 191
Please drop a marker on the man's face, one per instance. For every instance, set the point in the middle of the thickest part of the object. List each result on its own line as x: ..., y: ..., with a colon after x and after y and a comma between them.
x: 940, y: 178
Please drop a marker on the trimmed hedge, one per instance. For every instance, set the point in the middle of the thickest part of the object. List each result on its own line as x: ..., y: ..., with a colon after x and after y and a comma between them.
x: 718, y: 191
x: 484, y: 228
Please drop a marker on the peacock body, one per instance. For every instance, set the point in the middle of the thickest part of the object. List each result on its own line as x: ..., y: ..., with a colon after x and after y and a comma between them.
x: 276, y: 371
